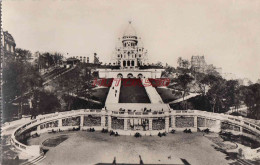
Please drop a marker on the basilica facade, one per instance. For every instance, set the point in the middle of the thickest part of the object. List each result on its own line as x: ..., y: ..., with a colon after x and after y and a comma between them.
x: 130, y: 52
x: 131, y: 57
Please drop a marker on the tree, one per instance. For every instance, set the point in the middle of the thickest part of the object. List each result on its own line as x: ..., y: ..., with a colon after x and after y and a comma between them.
x: 251, y: 97
x: 183, y: 81
x: 23, y: 54
x: 232, y: 93
x: 47, y: 60
x: 168, y: 71
x: 179, y: 61
x: 44, y: 102
x: 77, y: 84
x: 216, y: 96
x: 19, y: 79
x: 208, y: 81
x: 211, y: 70
x: 183, y: 63
x: 213, y: 87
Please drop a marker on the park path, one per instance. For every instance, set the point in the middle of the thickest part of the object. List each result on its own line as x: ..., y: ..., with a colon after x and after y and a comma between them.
x: 191, y: 95
x: 58, y: 75
x: 114, y: 91
x: 84, y: 98
x: 153, y: 95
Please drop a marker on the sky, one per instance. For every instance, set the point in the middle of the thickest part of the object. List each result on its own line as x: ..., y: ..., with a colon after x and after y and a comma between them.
x: 226, y: 32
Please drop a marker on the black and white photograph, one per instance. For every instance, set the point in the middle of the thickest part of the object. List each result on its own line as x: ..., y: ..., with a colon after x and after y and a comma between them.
x: 130, y: 82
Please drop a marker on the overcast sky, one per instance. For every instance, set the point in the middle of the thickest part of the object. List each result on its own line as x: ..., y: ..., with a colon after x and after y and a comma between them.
x: 226, y: 32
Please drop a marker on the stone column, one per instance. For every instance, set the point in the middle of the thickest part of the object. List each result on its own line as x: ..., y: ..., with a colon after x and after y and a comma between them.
x: 109, y: 122
x: 103, y: 121
x: 81, y: 122
x: 196, y: 123
x: 173, y: 122
x: 167, y: 124
x: 150, y: 124
x: 59, y: 124
x: 241, y: 129
x: 103, y: 118
x: 218, y: 126
x: 125, y: 124
x: 38, y: 129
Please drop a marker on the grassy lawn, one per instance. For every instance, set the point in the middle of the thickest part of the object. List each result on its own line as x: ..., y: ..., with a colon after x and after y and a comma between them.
x: 133, y: 93
x: 99, y: 94
x: 168, y: 95
x: 53, y: 142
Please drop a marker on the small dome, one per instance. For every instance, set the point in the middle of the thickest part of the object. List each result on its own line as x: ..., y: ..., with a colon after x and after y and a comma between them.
x: 130, y: 31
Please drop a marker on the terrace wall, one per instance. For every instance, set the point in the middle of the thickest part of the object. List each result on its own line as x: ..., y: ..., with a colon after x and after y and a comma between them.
x: 157, y: 122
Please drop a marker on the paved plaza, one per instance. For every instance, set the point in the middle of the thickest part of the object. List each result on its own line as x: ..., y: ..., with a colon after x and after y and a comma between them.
x: 93, y: 148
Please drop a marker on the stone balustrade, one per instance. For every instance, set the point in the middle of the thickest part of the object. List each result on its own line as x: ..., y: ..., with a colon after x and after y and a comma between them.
x: 118, y: 121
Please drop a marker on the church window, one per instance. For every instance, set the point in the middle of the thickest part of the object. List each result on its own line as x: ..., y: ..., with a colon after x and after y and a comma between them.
x: 139, y: 55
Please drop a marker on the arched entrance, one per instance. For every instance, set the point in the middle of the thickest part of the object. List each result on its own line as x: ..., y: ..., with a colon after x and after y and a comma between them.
x: 130, y: 75
x: 133, y: 63
x: 140, y: 75
x: 119, y: 75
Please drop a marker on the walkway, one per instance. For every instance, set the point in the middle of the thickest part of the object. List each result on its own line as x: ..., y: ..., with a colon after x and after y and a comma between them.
x: 58, y: 75
x: 114, y: 91
x: 153, y: 95
x: 185, y: 98
x: 84, y: 98
x: 112, y: 101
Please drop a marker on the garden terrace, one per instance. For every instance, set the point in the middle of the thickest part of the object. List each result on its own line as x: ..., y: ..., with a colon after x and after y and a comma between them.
x: 119, y: 122
x: 168, y: 95
x: 133, y: 93
x: 99, y: 94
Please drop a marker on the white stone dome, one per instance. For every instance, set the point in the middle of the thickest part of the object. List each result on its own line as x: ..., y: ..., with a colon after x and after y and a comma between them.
x: 130, y: 31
